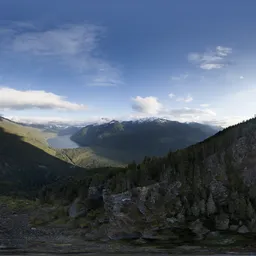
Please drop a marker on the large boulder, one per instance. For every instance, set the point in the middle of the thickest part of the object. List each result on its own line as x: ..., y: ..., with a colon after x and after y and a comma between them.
x: 77, y: 209
x: 197, y: 228
x: 243, y: 230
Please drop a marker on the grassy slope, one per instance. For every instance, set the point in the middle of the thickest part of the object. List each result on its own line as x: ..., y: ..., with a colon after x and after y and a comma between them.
x: 91, y: 158
x: 26, y: 162
x: 30, y: 135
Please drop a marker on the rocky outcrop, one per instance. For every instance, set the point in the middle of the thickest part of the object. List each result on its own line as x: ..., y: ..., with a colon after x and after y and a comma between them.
x: 76, y: 209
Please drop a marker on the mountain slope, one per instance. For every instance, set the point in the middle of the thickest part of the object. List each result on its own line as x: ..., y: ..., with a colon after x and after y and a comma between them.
x: 139, y: 138
x: 30, y: 135
x: 26, y: 162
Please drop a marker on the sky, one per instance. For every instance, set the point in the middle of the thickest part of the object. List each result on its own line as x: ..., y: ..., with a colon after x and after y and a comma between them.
x: 80, y: 61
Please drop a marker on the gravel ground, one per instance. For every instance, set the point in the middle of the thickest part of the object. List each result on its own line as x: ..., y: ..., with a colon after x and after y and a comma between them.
x: 16, y: 233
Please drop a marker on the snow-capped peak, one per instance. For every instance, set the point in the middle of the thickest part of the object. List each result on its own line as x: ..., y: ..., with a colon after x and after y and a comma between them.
x: 151, y: 119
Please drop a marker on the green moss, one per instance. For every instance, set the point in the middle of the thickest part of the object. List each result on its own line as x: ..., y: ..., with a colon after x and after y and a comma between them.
x: 93, y: 214
x: 60, y: 221
x: 14, y: 203
x: 83, y: 223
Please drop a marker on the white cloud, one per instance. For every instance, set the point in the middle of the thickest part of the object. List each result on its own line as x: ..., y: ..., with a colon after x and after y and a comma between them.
x: 148, y: 105
x: 171, y: 95
x: 186, y: 99
x: 76, y: 46
x: 210, y: 66
x: 204, y: 105
x: 211, y: 59
x: 19, y: 100
x: 241, y: 77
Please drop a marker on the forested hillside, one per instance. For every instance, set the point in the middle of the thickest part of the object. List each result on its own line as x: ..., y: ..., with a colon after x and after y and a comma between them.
x: 206, y: 187
x: 136, y: 139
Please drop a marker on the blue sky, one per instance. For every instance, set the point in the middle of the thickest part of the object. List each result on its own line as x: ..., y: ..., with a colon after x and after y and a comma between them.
x: 82, y: 60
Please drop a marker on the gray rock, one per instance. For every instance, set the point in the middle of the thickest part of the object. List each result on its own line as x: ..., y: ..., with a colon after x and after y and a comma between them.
x: 243, y: 230
x: 219, y: 191
x: 172, y: 220
x: 213, y: 235
x: 198, y: 228
x: 233, y: 227
x: 76, y: 209
x: 222, y: 222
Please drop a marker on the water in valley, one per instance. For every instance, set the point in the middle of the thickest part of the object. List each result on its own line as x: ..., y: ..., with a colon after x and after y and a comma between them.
x: 62, y: 142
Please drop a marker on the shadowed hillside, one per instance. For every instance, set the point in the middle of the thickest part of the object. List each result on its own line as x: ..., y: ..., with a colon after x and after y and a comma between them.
x: 26, y: 167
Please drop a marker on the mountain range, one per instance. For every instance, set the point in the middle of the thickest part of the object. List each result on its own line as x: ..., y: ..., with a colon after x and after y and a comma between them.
x: 136, y: 139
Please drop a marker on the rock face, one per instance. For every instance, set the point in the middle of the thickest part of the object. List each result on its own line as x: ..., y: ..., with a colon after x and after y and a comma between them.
x: 76, y: 209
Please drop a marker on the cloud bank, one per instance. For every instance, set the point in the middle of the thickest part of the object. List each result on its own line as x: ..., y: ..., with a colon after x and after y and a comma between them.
x: 20, y: 100
x: 151, y: 106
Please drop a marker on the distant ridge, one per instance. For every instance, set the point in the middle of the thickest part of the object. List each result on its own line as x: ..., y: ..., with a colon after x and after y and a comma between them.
x: 137, y: 138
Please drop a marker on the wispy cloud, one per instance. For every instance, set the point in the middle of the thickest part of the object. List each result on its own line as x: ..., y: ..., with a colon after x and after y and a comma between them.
x: 76, y: 46
x: 180, y: 77
x: 66, y: 41
x: 20, y: 100
x: 185, y: 99
x: 211, y: 59
x: 226, y: 121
